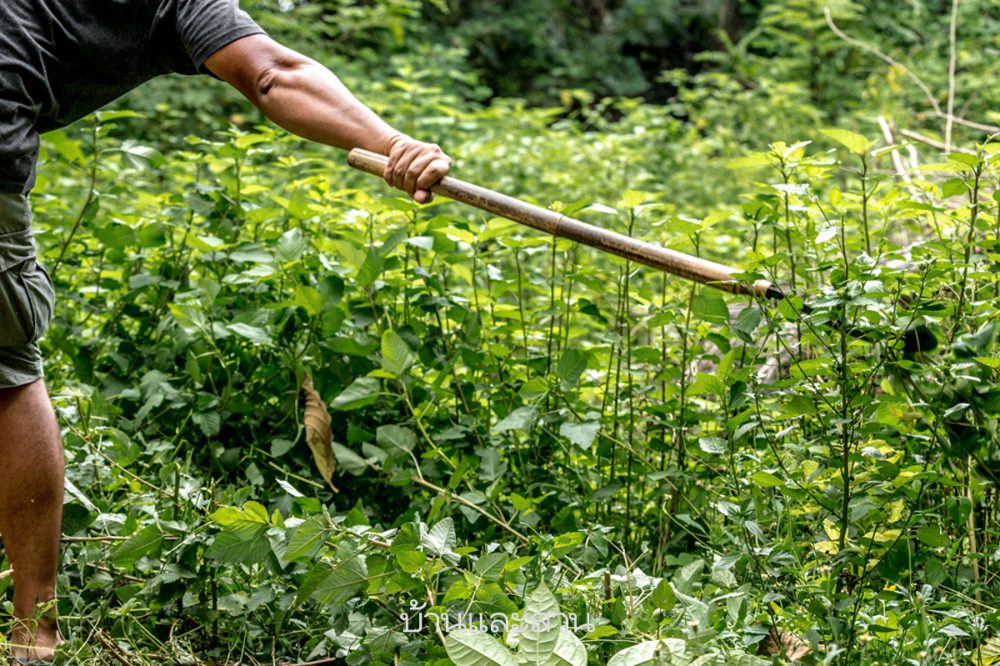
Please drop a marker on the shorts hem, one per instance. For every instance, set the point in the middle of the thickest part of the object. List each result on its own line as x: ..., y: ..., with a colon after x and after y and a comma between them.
x: 14, y: 379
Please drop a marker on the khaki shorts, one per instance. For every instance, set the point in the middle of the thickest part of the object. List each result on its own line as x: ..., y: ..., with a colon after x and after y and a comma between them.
x: 26, y: 295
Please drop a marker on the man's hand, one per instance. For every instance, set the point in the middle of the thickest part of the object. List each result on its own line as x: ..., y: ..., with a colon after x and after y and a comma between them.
x: 415, y: 167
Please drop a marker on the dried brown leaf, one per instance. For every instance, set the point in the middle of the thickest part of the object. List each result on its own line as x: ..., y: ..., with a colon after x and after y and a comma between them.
x: 319, y: 436
x: 791, y: 646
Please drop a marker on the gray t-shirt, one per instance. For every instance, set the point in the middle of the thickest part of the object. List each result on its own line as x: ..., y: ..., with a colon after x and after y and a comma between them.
x: 63, y: 59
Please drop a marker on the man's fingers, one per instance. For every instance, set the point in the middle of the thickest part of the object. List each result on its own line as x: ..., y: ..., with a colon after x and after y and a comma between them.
x: 398, y: 165
x: 422, y: 171
x: 415, y: 167
x: 432, y: 174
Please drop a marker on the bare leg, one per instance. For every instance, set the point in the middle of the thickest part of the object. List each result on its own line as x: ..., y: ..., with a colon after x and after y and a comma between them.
x: 31, y: 499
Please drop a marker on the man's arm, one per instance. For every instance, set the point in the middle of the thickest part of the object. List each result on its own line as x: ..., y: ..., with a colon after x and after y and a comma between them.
x: 307, y: 99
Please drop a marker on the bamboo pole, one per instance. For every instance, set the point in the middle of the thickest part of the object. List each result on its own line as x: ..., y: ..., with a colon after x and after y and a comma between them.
x: 670, y: 261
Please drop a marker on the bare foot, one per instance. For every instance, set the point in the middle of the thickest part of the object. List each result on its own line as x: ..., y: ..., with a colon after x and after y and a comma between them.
x: 38, y: 644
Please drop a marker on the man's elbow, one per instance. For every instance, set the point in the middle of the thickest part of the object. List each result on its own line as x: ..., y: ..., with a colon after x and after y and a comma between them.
x: 281, y: 75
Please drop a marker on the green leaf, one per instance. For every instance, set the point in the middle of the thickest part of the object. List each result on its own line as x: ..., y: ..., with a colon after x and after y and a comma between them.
x: 361, y: 393
x: 291, y: 246
x: 766, y: 480
x: 245, y: 545
x: 747, y: 660
x: 371, y: 268
x: 345, y: 581
x: 144, y: 543
x: 932, y: 536
x: 713, y: 445
x: 540, y: 627
x: 470, y: 647
x: 396, y: 354
x: 410, y: 561
x: 853, y: 141
x: 571, y: 365
x: 254, y: 334
x: 663, y: 596
x: 307, y: 539
x: 395, y: 437
x: 521, y: 419
x: 650, y: 653
x: 633, y: 198
x: 115, y: 235
x: 709, y: 305
x: 440, y: 539
x: 490, y: 566
x: 348, y: 460
x: 569, y: 650
x: 581, y: 434
x: 685, y: 577
x: 751, y: 161
x: 309, y: 298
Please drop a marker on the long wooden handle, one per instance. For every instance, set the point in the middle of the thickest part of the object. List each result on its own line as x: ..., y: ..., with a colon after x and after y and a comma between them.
x: 551, y: 222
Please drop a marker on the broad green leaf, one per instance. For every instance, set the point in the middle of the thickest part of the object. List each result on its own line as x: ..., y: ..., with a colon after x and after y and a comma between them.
x: 650, y: 653
x: 291, y: 246
x: 470, y: 647
x: 713, y: 445
x: 395, y: 437
x: 751, y: 161
x: 396, y: 354
x: 521, y: 419
x: 685, y: 577
x: 115, y: 236
x: 490, y: 566
x: 705, y: 660
x: 347, y: 580
x: 306, y: 539
x: 254, y: 334
x: 633, y: 198
x: 581, y: 434
x: 853, y: 141
x: 569, y: 650
x: 410, y: 561
x: 144, y: 543
x: 663, y: 596
x: 245, y: 545
x: 766, y: 480
x: 361, y: 393
x: 348, y: 460
x: 932, y: 536
x: 571, y: 365
x: 539, y: 630
x: 709, y: 305
x: 440, y: 539
x: 309, y: 298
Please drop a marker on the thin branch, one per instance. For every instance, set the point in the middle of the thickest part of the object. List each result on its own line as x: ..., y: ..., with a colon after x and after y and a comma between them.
x: 466, y: 503
x: 952, y: 63
x: 892, y: 62
x: 884, y: 57
x: 897, y: 160
x: 933, y: 143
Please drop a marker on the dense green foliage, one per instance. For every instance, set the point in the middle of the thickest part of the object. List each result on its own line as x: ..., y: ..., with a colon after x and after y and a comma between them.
x: 519, y: 420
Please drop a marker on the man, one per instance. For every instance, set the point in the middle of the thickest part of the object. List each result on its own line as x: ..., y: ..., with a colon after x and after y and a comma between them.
x: 61, y: 60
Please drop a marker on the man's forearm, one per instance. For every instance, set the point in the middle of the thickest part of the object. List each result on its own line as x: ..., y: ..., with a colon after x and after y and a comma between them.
x: 309, y: 100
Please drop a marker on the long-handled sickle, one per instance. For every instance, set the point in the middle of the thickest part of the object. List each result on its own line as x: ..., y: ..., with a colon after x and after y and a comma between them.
x: 670, y: 261
x: 918, y: 338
